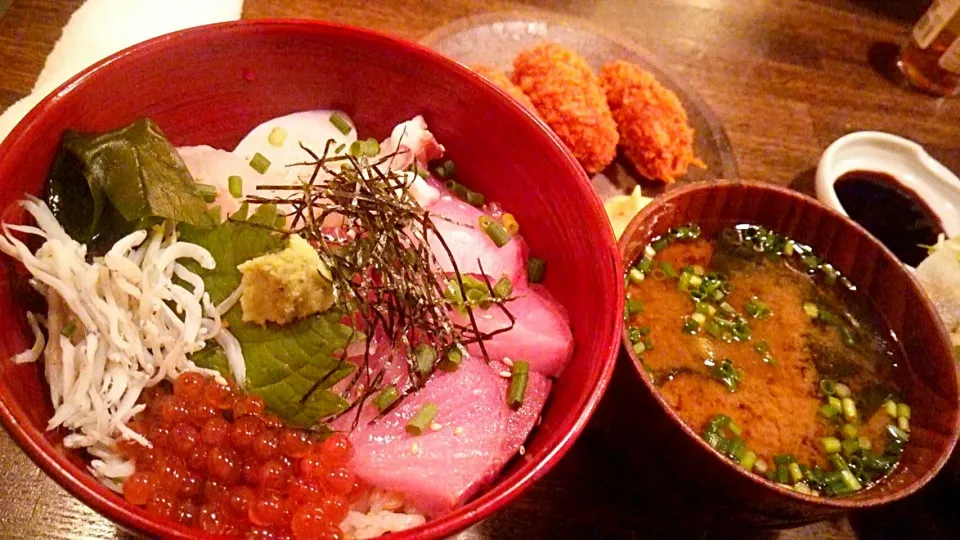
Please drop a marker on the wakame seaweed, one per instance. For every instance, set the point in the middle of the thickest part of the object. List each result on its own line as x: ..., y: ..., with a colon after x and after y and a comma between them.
x: 101, y: 187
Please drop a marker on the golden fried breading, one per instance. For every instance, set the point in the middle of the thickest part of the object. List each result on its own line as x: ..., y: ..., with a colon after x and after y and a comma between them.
x: 654, y: 133
x: 500, y: 79
x: 569, y: 98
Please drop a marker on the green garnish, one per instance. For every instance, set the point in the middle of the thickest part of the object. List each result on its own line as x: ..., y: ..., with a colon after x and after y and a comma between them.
x: 277, y: 136
x: 235, y: 186
x: 259, y: 163
x: 386, y: 397
x: 370, y: 147
x: 503, y: 288
x: 536, y: 268
x: 727, y: 373
x: 422, y: 419
x: 473, y: 198
x: 518, y: 383
x: 497, y: 233
x: 340, y: 123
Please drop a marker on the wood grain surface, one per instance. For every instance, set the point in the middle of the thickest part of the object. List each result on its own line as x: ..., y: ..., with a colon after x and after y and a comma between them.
x: 785, y: 78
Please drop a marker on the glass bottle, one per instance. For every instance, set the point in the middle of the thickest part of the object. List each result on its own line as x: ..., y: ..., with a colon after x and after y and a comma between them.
x: 930, y: 60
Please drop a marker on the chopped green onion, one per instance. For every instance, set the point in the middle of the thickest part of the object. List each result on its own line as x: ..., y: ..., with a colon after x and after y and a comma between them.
x: 668, y: 270
x: 795, y: 473
x: 354, y: 149
x: 536, y: 268
x: 760, y: 466
x: 838, y: 462
x: 761, y: 347
x: 235, y: 186
x: 494, y: 230
x: 645, y: 264
x: 831, y: 445
x: 259, y: 163
x: 891, y: 408
x: 636, y: 276
x: 757, y: 309
x: 510, y: 223
x: 850, y: 447
x: 699, y: 317
x: 849, y: 409
x: 370, y: 147
x: 339, y: 148
x: 697, y: 270
x: 518, y: 383
x: 475, y: 296
x: 634, y: 334
x: 843, y: 391
x: 828, y: 387
x: 340, y: 123
x: 503, y: 288
x: 208, y: 192
x: 864, y: 442
x: 903, y: 410
x: 386, y: 397
x: 748, y: 460
x: 425, y: 355
x: 850, y: 480
x: 788, y: 247
x: 811, y: 309
x: 634, y: 307
x: 782, y: 475
x: 800, y: 487
x: 690, y: 326
x: 659, y: 245
x: 829, y: 410
x: 422, y: 419
x: 849, y: 431
x: 277, y: 136
x: 903, y: 423
x: 69, y: 329
x: 702, y: 307
x: 451, y: 361
x: 639, y: 347
x: 835, y: 401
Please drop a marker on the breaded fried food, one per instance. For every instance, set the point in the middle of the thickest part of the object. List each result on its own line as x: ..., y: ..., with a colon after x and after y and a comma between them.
x: 569, y: 98
x: 500, y: 79
x: 654, y: 133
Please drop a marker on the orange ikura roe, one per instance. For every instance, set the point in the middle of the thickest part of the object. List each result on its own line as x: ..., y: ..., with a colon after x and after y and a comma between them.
x: 220, y: 463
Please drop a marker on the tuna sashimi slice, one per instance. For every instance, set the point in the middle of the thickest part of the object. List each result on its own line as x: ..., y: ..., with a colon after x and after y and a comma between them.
x: 519, y: 423
x: 541, y: 334
x: 395, y: 372
x: 456, y: 221
x: 438, y: 469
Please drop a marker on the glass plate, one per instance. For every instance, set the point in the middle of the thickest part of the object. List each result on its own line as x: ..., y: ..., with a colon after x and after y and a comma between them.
x: 495, y: 39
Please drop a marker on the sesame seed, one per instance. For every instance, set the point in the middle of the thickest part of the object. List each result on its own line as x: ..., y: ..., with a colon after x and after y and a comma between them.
x: 415, y: 449
x: 436, y: 427
x: 458, y: 431
x: 523, y: 449
x: 505, y: 374
x: 508, y: 361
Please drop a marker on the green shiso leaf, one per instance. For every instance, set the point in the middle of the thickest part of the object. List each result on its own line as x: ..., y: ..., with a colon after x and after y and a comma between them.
x: 283, y: 362
x: 101, y: 187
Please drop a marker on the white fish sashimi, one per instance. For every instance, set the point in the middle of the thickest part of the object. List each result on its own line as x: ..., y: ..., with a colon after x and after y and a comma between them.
x: 312, y: 129
x: 213, y: 167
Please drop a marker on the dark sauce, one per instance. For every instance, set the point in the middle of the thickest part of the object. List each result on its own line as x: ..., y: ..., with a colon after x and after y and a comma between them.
x: 894, y: 214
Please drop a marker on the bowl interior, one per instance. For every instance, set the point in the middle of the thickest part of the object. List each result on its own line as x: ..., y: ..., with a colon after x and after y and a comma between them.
x: 213, y: 84
x: 928, y: 379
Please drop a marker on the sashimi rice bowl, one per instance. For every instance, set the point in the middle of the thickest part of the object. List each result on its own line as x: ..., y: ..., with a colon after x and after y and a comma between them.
x: 313, y: 334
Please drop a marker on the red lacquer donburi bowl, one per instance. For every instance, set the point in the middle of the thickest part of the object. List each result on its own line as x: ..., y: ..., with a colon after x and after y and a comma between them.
x: 211, y: 85
x: 928, y: 377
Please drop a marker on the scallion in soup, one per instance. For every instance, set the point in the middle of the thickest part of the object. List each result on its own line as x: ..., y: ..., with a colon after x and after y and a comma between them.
x: 771, y: 354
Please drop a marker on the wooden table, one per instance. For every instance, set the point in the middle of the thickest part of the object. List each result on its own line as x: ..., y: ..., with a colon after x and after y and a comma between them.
x: 785, y: 81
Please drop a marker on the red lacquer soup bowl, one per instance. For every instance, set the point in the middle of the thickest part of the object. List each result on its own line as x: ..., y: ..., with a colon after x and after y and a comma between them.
x: 210, y: 85
x: 927, y: 379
